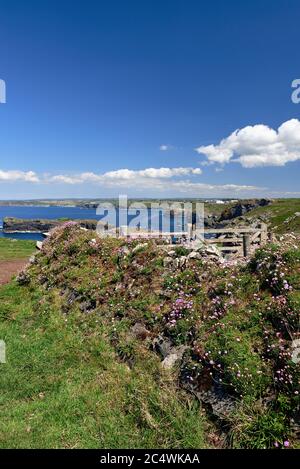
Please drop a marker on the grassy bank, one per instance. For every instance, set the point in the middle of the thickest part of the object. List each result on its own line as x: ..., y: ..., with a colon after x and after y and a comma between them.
x: 84, y: 369
x: 63, y: 385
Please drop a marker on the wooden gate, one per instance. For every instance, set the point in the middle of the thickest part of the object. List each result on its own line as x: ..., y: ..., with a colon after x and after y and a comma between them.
x: 241, y: 241
x: 238, y: 241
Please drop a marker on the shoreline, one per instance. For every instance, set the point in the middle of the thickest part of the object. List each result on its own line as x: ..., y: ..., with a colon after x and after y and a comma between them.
x: 19, y: 231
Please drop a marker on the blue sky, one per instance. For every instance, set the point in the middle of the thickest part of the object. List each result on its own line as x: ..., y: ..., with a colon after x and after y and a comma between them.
x: 116, y: 97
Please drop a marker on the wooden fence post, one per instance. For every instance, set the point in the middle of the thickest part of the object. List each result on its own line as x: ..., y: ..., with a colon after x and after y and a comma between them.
x: 246, y: 244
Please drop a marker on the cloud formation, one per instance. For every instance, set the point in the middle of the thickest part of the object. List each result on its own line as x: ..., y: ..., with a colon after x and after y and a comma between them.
x: 158, y: 179
x: 178, y: 180
x: 257, y: 145
x: 126, y: 176
x: 13, y: 176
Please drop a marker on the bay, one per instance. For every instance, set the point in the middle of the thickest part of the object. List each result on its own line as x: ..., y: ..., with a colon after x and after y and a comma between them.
x: 37, y: 212
x: 72, y: 213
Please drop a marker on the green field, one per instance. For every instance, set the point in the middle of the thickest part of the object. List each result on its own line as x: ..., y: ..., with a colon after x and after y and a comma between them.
x: 15, y: 249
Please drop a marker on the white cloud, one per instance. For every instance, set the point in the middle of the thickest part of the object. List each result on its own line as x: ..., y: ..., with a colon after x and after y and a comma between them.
x: 125, y: 175
x: 64, y: 179
x: 158, y: 179
x: 187, y: 186
x: 13, y: 176
x: 167, y: 172
x: 257, y: 145
x: 165, y: 147
x: 145, y: 181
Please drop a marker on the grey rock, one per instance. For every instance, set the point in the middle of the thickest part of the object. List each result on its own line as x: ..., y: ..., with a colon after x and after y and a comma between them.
x: 194, y: 255
x: 162, y: 345
x: 176, y: 354
x: 213, y: 250
x: 222, y: 406
x: 169, y: 361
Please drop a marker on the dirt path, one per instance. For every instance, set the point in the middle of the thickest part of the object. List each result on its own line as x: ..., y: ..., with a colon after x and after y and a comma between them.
x: 10, y: 268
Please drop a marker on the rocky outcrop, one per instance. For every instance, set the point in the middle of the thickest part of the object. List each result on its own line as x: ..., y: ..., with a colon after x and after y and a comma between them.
x: 211, y: 221
x: 11, y: 225
x: 175, y: 260
x: 242, y: 207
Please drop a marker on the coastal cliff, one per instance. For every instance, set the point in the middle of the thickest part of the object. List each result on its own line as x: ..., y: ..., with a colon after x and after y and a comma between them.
x: 11, y: 225
x: 215, y: 216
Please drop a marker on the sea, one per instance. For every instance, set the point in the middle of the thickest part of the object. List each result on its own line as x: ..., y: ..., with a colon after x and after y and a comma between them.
x: 72, y: 213
x: 38, y: 212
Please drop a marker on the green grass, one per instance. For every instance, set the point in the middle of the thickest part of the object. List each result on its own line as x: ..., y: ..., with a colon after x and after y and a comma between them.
x: 280, y: 215
x: 77, y: 376
x: 15, y: 249
x: 64, y: 387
